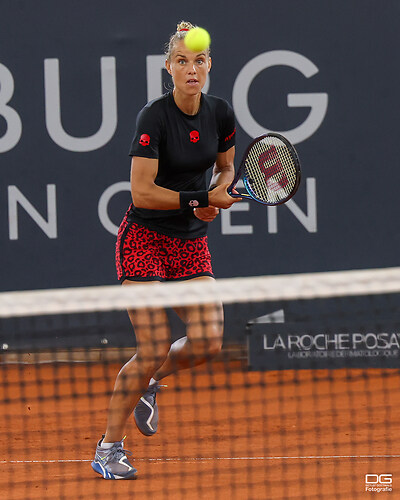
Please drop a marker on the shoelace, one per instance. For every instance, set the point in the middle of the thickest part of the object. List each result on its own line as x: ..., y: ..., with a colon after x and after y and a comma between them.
x: 156, y: 387
x: 152, y: 391
x: 118, y: 453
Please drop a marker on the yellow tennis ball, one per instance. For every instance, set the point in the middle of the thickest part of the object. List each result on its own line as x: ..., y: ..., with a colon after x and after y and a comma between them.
x: 197, y: 39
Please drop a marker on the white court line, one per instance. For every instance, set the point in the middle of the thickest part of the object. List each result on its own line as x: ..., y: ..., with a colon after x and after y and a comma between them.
x: 208, y: 459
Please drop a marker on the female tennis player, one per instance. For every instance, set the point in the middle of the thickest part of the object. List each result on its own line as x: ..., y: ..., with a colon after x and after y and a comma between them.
x: 179, y: 137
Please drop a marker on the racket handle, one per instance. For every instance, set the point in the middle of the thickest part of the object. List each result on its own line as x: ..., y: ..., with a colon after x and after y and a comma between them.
x: 238, y: 195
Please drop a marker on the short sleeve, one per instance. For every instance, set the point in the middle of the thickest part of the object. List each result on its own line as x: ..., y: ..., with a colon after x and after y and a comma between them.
x: 146, y: 140
x: 227, y: 129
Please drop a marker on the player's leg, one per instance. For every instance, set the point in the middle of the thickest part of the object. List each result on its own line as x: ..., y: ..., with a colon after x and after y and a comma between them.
x: 203, y: 340
x: 153, y: 343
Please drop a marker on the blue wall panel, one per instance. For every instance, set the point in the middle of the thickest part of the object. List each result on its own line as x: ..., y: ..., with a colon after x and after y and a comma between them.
x: 322, y: 73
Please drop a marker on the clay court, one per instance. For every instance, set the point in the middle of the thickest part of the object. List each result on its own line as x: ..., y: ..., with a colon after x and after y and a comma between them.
x: 224, y: 433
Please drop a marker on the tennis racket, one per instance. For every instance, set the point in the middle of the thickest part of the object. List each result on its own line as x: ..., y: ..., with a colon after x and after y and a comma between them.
x: 270, y: 170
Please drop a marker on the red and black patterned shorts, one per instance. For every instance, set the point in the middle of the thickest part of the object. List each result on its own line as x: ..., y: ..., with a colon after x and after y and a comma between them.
x: 145, y: 255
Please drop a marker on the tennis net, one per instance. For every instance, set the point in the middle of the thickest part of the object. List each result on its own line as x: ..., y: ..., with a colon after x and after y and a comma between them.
x: 302, y: 401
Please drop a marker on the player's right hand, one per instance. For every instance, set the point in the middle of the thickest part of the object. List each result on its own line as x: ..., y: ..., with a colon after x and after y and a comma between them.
x: 206, y: 214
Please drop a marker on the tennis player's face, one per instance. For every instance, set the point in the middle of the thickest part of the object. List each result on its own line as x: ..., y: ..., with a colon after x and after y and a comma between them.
x: 188, y: 69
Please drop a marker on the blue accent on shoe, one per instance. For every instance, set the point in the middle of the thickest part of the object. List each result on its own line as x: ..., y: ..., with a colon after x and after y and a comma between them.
x: 112, y: 463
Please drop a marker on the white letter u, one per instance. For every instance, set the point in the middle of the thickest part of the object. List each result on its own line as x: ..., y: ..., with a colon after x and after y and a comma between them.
x: 53, y: 108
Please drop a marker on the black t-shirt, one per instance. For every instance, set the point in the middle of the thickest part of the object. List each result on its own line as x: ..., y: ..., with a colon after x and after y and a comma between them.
x: 186, y: 147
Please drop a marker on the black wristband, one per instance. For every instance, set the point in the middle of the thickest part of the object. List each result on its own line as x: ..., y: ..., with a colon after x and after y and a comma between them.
x: 193, y: 199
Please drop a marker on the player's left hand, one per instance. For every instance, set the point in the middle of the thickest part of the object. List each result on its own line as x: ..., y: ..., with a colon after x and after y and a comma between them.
x: 206, y: 214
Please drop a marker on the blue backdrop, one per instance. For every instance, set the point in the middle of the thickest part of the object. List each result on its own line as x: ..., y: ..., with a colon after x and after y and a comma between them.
x: 73, y: 76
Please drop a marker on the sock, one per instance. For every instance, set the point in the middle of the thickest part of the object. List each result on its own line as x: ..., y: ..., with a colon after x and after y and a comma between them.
x: 106, y: 446
x: 152, y: 381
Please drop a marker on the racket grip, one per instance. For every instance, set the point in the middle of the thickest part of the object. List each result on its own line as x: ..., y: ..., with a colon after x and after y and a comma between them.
x: 238, y: 195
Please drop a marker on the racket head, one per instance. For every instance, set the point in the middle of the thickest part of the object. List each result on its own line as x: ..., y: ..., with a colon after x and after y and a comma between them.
x: 270, y: 169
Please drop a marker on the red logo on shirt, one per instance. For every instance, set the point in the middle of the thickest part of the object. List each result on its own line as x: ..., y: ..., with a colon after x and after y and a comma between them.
x: 144, y: 140
x: 230, y: 136
x: 194, y: 136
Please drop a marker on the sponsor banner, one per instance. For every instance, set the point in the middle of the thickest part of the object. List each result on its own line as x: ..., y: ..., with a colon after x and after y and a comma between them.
x: 311, y: 345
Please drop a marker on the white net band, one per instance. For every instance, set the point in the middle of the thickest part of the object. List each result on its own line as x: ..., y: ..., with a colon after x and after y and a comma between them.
x: 229, y: 291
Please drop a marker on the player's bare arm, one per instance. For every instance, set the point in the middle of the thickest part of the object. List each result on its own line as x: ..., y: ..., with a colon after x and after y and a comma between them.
x: 147, y: 194
x: 224, y: 168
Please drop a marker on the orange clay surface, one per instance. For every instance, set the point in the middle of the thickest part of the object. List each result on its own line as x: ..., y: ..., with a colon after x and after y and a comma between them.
x: 229, y: 434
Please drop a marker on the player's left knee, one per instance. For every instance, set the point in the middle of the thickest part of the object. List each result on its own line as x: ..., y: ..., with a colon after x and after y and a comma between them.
x: 213, y: 346
x: 206, y: 347
x: 205, y: 339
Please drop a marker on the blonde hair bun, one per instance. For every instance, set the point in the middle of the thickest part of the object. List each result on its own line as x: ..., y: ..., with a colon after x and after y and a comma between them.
x: 184, y: 26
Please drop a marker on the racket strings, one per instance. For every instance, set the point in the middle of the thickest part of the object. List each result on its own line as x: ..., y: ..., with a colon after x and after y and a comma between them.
x: 270, y: 170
